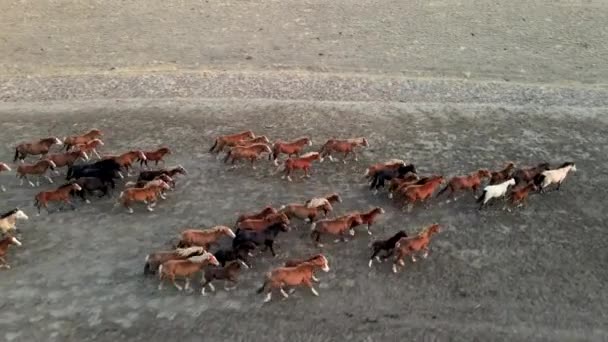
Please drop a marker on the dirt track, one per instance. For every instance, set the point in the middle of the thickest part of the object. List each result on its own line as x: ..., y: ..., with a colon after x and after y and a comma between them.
x: 534, y: 274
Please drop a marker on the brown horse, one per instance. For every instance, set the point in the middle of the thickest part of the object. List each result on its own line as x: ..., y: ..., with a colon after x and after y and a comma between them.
x: 289, y: 148
x: 415, y: 193
x: 411, y: 245
x: 268, y: 210
x: 293, y: 276
x: 397, y: 184
x: 40, y: 147
x: 5, y: 243
x: 148, y: 195
x: 61, y: 194
x: 303, y: 162
x: 81, y: 139
x: 392, y: 164
x: 229, y: 273
x: 500, y: 176
x: 204, y: 238
x: 251, y: 152
x: 525, y: 175
x: 90, y: 147
x: 321, y: 201
x: 469, y: 182
x: 142, y: 183
x: 304, y: 212
x: 259, y: 225
x: 230, y: 140
x: 346, y: 146
x: 519, y: 195
x: 262, y: 139
x: 4, y: 167
x: 155, y: 156
x: 184, y: 268
x: 126, y: 159
x: 338, y: 226
x: 38, y: 169
x: 155, y: 259
x: 368, y: 218
x: 67, y: 158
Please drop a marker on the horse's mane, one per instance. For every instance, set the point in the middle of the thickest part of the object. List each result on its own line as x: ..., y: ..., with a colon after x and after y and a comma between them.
x: 566, y: 164
x: 65, y: 185
x: 200, y: 258
x: 9, y: 213
x: 309, y: 154
x: 190, y: 251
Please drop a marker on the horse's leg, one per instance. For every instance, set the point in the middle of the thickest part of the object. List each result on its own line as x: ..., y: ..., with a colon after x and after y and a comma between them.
x: 3, y: 263
x: 270, y: 244
x: 308, y: 283
x: 2, y: 188
x: 374, y: 255
x: 161, y: 280
x: 252, y: 159
x: 67, y: 200
x: 306, y: 175
x: 285, y: 295
x: 205, y: 283
x: 172, y: 276
x: 96, y: 154
x: 49, y: 178
x: 345, y: 155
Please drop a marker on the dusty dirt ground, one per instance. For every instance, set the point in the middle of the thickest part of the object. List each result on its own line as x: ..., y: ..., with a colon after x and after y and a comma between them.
x: 537, y: 273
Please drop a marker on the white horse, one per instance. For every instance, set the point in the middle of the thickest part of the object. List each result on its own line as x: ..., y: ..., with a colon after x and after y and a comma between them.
x: 8, y: 220
x: 494, y: 191
x: 555, y: 176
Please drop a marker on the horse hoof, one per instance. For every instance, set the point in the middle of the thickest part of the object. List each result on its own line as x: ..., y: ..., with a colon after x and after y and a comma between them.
x: 370, y: 263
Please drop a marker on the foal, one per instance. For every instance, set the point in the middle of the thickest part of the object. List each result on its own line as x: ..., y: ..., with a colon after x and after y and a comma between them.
x: 61, y: 194
x: 171, y: 172
x: 293, y: 276
x: 204, y: 238
x: 346, y: 146
x: 3, y: 167
x: 289, y: 148
x: 556, y: 176
x: 229, y: 273
x: 387, y: 246
x: 38, y: 169
x: 338, y: 226
x: 469, y: 182
x: 184, y: 268
x: 155, y: 156
x: 81, y: 139
x: 147, y: 195
x: 8, y: 220
x: 303, y: 162
x: 4, y: 244
x: 90, y: 147
x: 251, y: 152
x: 412, y: 245
x: 230, y: 140
x: 40, y: 147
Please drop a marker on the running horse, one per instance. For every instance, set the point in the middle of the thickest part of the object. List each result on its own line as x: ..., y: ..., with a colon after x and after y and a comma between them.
x: 127, y: 159
x: 4, y: 167
x: 229, y: 273
x: 368, y: 218
x: 8, y: 220
x: 527, y: 174
x: 203, y: 237
x: 251, y: 152
x: 289, y: 148
x: 155, y: 156
x: 148, y: 195
x: 421, y: 193
x: 268, y: 210
x: 40, y: 147
x: 155, y: 259
x: 519, y: 195
x: 304, y: 212
x: 302, y: 274
x: 171, y: 269
x: 469, y: 182
x: 413, y: 245
x: 67, y: 158
x: 387, y: 246
x: 259, y: 225
x: 322, y: 201
x: 502, y: 175
x: 230, y: 140
x: 38, y: 169
x: 345, y: 146
x: 61, y: 194
x: 338, y: 226
x: 7, y: 241
x: 90, y: 147
x: 556, y: 176
x: 391, y: 165
x: 74, y: 140
x: 303, y: 162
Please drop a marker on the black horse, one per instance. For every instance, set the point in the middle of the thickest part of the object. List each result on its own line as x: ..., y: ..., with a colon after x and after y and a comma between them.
x: 240, y: 252
x: 150, y: 175
x: 386, y: 175
x: 265, y: 237
x: 91, y: 184
x: 387, y: 246
x: 107, y: 170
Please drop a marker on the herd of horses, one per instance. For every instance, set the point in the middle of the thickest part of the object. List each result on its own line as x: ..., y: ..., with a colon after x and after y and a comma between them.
x: 199, y: 251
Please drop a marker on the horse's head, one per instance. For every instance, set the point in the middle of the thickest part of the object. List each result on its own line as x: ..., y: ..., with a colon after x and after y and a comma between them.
x: 4, y: 167
x: 20, y: 215
x: 355, y: 220
x: 400, y: 234
x: 281, y: 226
x: 320, y: 260
x: 307, y: 141
x: 96, y: 142
x: 94, y: 133
x: 335, y: 197
x: 511, y: 181
x: 76, y: 187
x: 164, y: 150
x: 484, y: 173
x: 364, y: 142
x: 568, y: 164
x: 12, y: 240
x: 378, y: 210
x: 227, y: 231
x: 433, y: 229
x: 49, y: 163
x: 181, y: 169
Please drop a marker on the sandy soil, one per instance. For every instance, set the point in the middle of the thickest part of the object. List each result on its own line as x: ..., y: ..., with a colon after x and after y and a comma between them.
x: 537, y: 273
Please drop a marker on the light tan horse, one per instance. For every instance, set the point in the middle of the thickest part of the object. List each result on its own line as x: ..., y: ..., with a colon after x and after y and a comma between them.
x: 38, y: 169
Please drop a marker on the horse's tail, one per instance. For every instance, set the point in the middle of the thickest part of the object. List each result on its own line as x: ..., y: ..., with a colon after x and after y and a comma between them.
x: 482, y: 197
x: 539, y: 179
x: 16, y: 154
x: 147, y: 265
x: 443, y: 190
x: 70, y: 173
x: 374, y: 182
x: 214, y: 146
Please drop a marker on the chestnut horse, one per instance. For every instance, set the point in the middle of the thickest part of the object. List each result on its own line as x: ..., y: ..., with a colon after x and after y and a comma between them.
x: 262, y: 139
x: 155, y: 156
x: 90, y: 147
x: 184, y: 268
x: 303, y: 162
x: 40, y: 147
x: 81, y: 139
x: 4, y: 167
x: 346, y: 146
x: 155, y: 259
x: 251, y: 152
x: 268, y: 210
x: 527, y: 174
x: 469, y: 182
x: 412, y: 245
x: 415, y: 193
x: 67, y: 158
x: 38, y: 169
x: 126, y: 159
x: 293, y: 276
x: 398, y: 184
x: 8, y: 220
x: 171, y: 172
x: 259, y: 225
x: 502, y: 175
x: 61, y: 194
x: 519, y: 195
x: 304, y: 212
x: 368, y: 218
x: 289, y: 148
x: 147, y: 195
x: 392, y: 165
x: 338, y: 226
x: 204, y: 238
x: 228, y: 273
x: 230, y: 140
x: 4, y: 244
